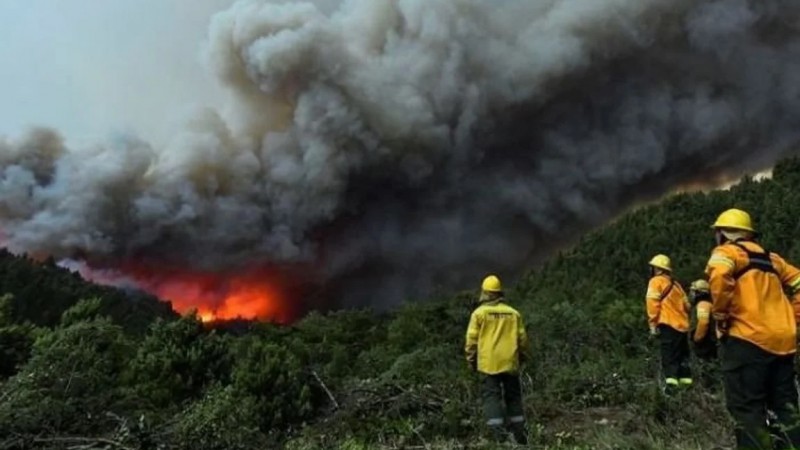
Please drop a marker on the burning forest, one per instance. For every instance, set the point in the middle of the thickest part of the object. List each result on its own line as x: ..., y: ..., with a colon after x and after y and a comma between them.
x: 376, y: 150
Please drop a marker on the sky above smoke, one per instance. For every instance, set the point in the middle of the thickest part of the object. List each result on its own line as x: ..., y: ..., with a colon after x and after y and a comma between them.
x: 392, y: 147
x: 92, y: 68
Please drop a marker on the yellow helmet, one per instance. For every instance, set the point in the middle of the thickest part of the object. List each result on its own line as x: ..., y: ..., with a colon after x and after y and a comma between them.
x: 734, y: 219
x: 661, y: 262
x: 700, y: 286
x: 491, y: 284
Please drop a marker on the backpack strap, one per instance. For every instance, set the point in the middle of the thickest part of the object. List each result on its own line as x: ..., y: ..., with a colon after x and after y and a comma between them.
x: 755, y: 261
x: 667, y: 290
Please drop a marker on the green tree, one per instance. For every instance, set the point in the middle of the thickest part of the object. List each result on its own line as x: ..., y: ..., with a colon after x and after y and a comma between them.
x: 283, y: 392
x: 70, y: 382
x: 221, y: 420
x: 176, y: 361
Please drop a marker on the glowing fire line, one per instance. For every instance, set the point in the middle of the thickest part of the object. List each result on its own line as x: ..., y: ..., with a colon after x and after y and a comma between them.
x: 249, y: 294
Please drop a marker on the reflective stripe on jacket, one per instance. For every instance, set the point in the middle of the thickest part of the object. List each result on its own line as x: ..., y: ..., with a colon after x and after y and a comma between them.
x: 747, y: 290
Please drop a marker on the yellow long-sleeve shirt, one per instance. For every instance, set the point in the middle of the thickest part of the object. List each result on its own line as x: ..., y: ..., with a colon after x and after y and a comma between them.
x: 667, y: 308
x: 495, y: 338
x: 703, y: 319
x: 752, y: 303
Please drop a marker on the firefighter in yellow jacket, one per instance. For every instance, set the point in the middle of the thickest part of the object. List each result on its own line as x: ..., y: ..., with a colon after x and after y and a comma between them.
x: 758, y: 327
x: 668, y: 316
x: 495, y: 343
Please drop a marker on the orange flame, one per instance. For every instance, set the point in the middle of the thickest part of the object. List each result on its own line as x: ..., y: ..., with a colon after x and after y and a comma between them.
x: 255, y: 293
x: 250, y: 294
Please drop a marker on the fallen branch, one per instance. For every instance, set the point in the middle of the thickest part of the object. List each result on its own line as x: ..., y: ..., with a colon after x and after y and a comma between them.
x: 450, y: 446
x: 85, y: 441
x: 327, y: 391
x: 422, y: 439
x: 11, y: 443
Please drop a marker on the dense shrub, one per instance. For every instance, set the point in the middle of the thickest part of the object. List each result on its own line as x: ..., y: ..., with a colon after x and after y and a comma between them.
x: 83, y: 377
x: 70, y: 383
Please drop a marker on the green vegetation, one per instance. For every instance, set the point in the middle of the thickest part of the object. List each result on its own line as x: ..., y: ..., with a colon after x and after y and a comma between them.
x: 79, y: 374
x: 43, y: 292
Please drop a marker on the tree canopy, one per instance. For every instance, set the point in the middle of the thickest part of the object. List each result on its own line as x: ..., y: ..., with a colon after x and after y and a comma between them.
x: 83, y: 365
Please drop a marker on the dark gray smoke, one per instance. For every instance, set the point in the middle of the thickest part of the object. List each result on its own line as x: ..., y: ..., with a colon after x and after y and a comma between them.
x: 399, y: 145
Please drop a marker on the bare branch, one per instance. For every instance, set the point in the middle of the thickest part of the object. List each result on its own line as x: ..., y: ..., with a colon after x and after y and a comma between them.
x: 327, y: 391
x: 85, y: 441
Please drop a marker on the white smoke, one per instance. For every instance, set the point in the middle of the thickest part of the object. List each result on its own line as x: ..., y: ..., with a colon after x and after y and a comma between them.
x: 400, y: 145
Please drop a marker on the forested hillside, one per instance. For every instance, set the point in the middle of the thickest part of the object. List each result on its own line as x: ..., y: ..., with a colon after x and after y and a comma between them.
x: 356, y: 379
x: 42, y: 292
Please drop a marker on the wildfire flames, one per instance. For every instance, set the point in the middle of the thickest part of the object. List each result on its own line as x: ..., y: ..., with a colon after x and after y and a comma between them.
x: 248, y: 294
x: 253, y: 294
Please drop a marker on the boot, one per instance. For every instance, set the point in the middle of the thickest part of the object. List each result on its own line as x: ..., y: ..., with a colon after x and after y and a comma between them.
x: 520, y: 433
x: 497, y: 434
x: 671, y: 387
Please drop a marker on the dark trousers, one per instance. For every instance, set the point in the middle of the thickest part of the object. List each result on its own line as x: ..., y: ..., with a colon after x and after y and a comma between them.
x: 757, y: 381
x: 674, y: 353
x: 502, y: 398
x: 707, y: 372
x: 706, y: 350
x: 707, y: 368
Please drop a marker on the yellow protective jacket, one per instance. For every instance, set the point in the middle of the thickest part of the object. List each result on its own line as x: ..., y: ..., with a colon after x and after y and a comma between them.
x: 496, y: 338
x: 667, y: 304
x: 748, y: 298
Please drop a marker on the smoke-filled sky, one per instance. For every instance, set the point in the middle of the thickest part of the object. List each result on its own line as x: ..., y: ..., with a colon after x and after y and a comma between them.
x: 389, y: 147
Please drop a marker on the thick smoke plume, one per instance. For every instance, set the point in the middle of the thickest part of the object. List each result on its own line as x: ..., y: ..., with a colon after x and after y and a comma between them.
x: 389, y: 147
